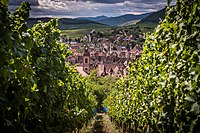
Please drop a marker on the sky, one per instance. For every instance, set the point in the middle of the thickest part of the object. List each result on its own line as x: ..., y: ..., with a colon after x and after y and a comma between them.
x: 89, y: 8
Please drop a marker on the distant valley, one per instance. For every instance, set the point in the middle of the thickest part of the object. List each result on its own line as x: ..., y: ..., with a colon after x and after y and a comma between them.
x: 104, y: 21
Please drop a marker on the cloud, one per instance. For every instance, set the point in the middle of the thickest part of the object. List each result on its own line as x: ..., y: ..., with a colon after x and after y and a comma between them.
x: 106, y: 1
x: 18, y: 2
x: 83, y: 8
x: 54, y: 4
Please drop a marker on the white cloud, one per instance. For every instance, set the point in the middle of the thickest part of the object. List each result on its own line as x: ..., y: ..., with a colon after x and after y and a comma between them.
x: 53, y: 4
x: 74, y: 8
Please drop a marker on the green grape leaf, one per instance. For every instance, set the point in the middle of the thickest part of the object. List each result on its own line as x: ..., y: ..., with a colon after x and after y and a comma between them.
x: 5, y: 2
x: 195, y: 108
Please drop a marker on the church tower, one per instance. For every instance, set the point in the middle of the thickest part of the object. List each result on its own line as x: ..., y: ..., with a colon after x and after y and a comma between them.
x: 86, y: 61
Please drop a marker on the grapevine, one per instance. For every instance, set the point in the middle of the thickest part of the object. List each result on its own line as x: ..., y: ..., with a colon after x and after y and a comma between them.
x: 161, y: 92
x: 40, y: 92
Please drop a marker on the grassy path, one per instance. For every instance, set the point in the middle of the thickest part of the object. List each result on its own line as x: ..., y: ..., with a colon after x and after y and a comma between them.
x: 101, y: 124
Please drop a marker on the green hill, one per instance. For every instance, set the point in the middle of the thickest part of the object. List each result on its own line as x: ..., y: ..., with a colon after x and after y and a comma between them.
x: 116, y: 21
x: 69, y: 24
x: 96, y: 19
x: 130, y: 23
x: 153, y: 18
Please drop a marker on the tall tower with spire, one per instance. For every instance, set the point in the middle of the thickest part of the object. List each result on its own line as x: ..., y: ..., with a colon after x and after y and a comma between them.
x: 86, y: 60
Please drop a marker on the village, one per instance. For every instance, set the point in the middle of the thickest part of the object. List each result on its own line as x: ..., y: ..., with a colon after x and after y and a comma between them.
x: 108, y: 56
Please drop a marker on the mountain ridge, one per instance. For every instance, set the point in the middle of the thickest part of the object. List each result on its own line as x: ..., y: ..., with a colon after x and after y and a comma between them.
x: 96, y: 19
x: 119, y: 20
x: 68, y: 23
x: 115, y: 21
x: 104, y: 21
x: 154, y: 17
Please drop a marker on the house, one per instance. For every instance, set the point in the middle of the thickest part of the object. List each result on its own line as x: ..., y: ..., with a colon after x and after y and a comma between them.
x: 108, y: 56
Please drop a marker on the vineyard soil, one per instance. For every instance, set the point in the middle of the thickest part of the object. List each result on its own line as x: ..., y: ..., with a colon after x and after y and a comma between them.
x: 101, y: 124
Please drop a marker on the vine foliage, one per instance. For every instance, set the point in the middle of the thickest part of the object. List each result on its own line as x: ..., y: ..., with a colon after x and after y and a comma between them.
x: 39, y: 91
x: 161, y: 92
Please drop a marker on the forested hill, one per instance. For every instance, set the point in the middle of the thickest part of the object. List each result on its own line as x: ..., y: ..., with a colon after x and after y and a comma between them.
x: 154, y: 17
x: 68, y: 23
x: 116, y: 21
x: 96, y: 19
